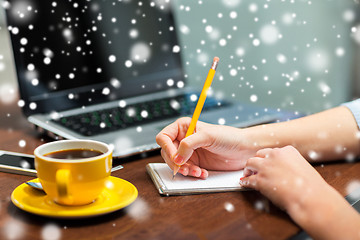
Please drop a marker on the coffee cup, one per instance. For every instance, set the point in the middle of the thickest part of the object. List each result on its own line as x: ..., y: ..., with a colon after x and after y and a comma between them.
x: 73, y: 172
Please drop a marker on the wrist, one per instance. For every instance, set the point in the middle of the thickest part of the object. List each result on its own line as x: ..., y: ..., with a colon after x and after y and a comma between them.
x: 317, y: 210
x: 263, y: 136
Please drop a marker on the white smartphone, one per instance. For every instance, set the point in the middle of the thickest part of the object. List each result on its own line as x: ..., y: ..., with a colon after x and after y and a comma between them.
x: 20, y: 163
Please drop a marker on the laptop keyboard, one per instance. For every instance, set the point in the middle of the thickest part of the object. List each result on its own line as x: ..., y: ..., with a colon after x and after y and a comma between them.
x: 108, y: 120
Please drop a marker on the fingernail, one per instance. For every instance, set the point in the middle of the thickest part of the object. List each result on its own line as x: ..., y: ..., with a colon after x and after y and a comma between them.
x: 243, y: 182
x: 196, y: 173
x: 178, y: 159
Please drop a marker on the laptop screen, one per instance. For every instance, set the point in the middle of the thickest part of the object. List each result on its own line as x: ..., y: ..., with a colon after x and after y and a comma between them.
x: 75, y: 53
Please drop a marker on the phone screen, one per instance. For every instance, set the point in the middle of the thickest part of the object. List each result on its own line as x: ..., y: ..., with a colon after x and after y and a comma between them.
x: 17, y: 161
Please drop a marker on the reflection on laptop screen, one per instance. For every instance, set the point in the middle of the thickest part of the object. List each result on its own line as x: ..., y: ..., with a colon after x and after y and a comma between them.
x: 84, y: 52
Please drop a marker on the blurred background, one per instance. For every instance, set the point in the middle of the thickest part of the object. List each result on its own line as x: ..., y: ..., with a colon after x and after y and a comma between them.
x: 296, y: 55
x: 299, y: 55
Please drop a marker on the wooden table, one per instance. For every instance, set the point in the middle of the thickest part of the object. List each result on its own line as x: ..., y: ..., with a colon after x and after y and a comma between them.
x: 233, y: 215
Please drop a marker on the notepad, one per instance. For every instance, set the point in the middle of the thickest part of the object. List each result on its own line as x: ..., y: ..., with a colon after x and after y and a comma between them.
x: 218, y: 181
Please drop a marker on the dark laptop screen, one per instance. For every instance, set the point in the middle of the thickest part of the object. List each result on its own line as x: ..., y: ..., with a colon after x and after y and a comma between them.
x: 74, y: 53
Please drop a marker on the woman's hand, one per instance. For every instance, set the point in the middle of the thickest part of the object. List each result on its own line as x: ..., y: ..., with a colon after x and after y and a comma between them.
x: 290, y: 182
x: 211, y: 147
x: 283, y: 175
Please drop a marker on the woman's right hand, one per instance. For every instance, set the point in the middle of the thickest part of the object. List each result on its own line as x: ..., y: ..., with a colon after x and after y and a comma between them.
x: 210, y: 147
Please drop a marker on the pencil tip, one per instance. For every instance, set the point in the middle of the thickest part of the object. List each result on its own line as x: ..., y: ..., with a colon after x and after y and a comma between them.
x: 173, y: 177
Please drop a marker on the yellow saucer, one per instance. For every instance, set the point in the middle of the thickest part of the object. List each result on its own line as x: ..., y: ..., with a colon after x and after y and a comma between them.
x: 118, y: 194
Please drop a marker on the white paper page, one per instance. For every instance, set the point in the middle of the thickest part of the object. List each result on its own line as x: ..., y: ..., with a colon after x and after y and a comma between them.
x: 216, y: 179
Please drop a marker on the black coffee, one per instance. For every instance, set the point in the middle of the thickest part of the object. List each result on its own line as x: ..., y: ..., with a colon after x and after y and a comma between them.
x: 74, y: 153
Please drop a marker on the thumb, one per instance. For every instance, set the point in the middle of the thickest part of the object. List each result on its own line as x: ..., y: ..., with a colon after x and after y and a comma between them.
x: 189, y: 144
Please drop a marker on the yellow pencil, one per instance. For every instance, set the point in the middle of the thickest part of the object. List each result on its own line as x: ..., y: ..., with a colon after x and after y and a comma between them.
x: 200, y: 103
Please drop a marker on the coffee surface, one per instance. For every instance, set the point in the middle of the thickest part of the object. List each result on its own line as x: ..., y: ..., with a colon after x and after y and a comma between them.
x: 74, y: 154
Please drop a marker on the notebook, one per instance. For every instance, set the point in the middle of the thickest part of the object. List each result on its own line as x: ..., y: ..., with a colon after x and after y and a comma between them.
x: 109, y: 71
x: 218, y: 181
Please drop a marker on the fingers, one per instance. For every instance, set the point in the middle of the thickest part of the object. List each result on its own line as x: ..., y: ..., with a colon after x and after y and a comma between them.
x: 167, y: 159
x: 264, y: 153
x: 253, y: 165
x: 193, y: 171
x: 171, y: 134
x: 204, y: 173
x: 248, y: 171
x: 175, y: 130
x: 176, y: 149
x: 187, y: 169
x: 189, y: 145
x: 249, y: 182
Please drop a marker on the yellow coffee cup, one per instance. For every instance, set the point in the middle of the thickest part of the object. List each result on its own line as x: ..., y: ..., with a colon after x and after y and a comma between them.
x: 73, y: 172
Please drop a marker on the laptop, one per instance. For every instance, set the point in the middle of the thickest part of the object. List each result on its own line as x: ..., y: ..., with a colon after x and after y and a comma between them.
x: 109, y: 71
